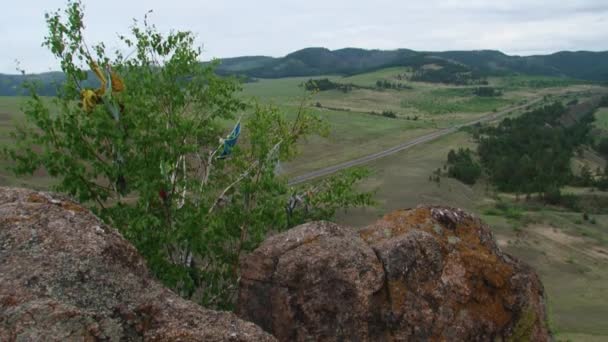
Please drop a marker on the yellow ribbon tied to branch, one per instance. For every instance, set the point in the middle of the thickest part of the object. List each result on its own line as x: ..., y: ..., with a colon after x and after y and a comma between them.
x: 90, y: 98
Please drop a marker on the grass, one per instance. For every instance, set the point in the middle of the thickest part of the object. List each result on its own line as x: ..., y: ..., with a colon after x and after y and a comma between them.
x: 507, y: 210
x: 11, y: 115
x: 575, y: 279
x: 283, y: 91
x: 402, y: 181
x: 363, y: 100
x: 355, y: 132
x: 437, y: 105
x: 601, y: 119
x: 352, y: 135
x: 535, y: 82
x: 369, y: 79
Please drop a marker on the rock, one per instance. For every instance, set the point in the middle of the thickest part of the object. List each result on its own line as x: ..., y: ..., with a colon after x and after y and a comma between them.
x: 429, y: 273
x: 315, y: 282
x: 65, y: 276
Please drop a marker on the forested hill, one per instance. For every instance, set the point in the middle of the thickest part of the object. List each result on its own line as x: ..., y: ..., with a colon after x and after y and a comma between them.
x: 584, y: 65
x: 320, y: 61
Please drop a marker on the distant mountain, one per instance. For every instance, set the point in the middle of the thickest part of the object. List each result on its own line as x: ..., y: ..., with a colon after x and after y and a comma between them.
x: 243, y: 64
x: 584, y: 65
x: 46, y: 83
x: 13, y: 84
x: 315, y: 61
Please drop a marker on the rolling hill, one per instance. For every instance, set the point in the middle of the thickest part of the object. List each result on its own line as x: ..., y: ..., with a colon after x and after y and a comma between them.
x: 583, y: 65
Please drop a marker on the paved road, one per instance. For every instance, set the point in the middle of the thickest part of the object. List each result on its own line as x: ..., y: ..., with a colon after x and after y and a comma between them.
x: 403, y: 146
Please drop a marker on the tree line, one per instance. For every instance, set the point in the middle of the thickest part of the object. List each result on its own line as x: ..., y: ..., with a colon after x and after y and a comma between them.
x: 324, y: 84
x: 532, y: 153
x: 529, y: 154
x: 386, y: 84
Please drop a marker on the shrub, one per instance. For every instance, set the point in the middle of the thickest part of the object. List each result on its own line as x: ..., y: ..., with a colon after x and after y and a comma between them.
x: 487, y: 92
x: 552, y: 195
x: 142, y: 152
x: 389, y: 114
x: 602, y: 147
x: 463, y: 167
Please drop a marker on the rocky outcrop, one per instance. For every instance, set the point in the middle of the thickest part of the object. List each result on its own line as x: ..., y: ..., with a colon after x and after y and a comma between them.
x: 65, y: 276
x: 428, y: 273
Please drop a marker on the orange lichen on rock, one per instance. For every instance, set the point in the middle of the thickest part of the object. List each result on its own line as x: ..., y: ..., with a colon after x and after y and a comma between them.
x: 37, y: 198
x: 64, y: 203
x: 395, y: 224
x: 474, y: 271
x: 69, y: 205
x: 444, y: 279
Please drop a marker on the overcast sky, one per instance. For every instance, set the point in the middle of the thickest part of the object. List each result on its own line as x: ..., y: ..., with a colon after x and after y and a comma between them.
x: 276, y: 27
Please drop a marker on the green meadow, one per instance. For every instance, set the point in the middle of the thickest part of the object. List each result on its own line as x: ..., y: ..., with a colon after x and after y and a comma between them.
x: 10, y: 116
x: 569, y: 253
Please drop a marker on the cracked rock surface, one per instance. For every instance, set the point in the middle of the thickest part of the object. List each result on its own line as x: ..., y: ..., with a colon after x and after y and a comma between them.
x: 424, y: 274
x: 65, y: 276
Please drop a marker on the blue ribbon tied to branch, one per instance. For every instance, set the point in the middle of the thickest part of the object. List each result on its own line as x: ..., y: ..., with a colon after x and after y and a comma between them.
x: 231, y: 140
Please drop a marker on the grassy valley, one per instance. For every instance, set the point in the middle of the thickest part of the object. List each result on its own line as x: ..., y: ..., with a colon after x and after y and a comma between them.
x: 568, y: 247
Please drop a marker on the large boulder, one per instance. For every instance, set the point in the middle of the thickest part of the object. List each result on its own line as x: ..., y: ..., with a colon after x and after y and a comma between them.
x: 429, y: 273
x: 65, y: 276
x: 318, y: 281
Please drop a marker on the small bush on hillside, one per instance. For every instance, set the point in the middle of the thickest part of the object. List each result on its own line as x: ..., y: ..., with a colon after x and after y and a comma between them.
x: 324, y: 84
x: 463, y: 167
x: 385, y: 84
x: 389, y: 114
x: 487, y: 92
x: 552, y: 195
x: 585, y: 177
